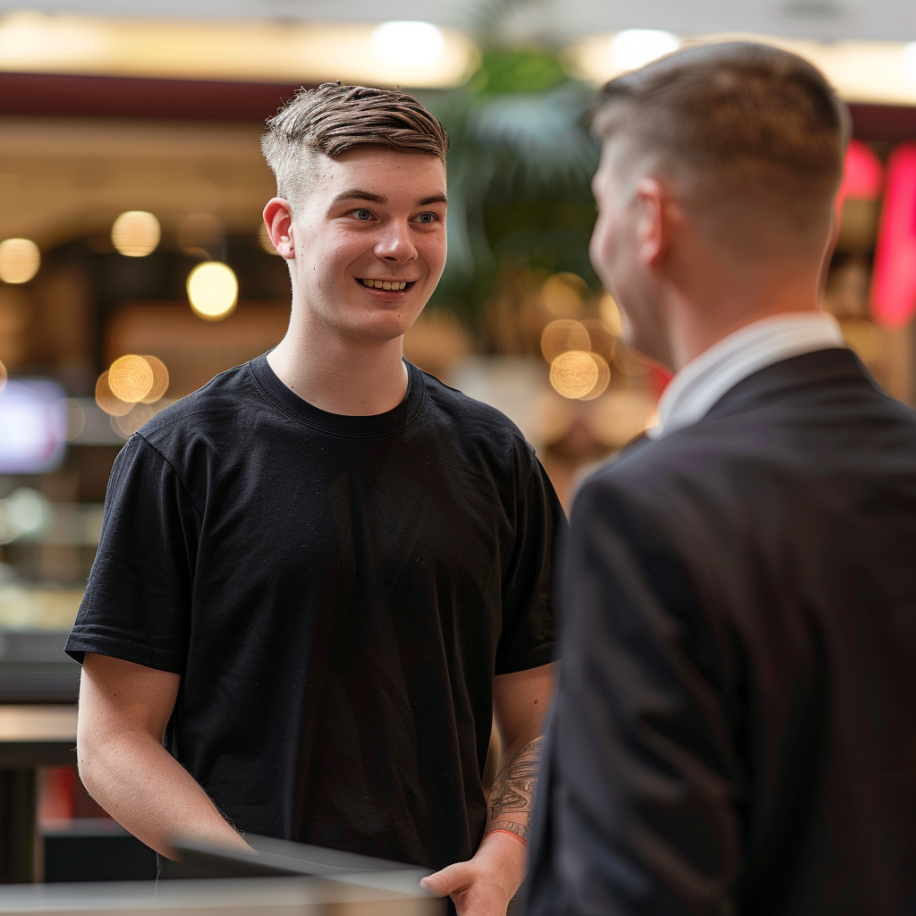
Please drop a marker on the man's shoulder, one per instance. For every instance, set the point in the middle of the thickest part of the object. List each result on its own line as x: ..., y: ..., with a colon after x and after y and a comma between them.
x: 470, y: 418
x: 213, y: 409
x: 806, y: 445
x: 697, y: 467
x: 649, y: 467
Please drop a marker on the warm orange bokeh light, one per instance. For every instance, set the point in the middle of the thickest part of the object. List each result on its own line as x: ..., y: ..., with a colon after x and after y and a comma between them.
x: 563, y: 335
x: 136, y: 233
x: 107, y: 399
x: 160, y: 380
x: 213, y: 290
x: 610, y: 314
x: 574, y: 374
x: 604, y: 378
x: 603, y: 341
x: 562, y: 294
x: 19, y: 260
x: 127, y: 424
x: 130, y: 378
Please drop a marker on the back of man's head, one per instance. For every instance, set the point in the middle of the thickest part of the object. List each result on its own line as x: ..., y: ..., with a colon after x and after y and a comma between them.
x: 752, y: 137
x: 334, y: 119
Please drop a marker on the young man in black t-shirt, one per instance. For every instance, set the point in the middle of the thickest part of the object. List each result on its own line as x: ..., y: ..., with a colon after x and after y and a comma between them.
x: 321, y: 574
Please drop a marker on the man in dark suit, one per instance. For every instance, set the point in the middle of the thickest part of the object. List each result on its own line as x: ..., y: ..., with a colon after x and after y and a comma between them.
x: 735, y: 727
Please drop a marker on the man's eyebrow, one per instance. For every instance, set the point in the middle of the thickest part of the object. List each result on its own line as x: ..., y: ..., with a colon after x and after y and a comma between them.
x: 357, y: 194
x: 435, y: 199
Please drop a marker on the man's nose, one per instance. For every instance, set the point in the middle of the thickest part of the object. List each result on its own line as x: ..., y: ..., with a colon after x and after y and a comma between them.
x: 396, y: 243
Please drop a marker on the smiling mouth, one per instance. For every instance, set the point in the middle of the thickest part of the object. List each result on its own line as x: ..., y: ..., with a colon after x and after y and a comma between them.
x: 393, y: 285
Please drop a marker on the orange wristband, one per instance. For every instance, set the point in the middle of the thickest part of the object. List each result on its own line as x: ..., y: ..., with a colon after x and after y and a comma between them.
x: 521, y: 839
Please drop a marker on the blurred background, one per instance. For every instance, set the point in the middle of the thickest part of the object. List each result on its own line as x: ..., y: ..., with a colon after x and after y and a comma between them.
x: 134, y: 266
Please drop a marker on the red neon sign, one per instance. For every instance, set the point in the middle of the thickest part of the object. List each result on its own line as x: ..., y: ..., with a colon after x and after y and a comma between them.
x: 863, y: 173
x: 893, y: 289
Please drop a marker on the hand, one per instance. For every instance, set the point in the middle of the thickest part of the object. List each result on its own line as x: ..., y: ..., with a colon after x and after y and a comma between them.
x: 484, y: 885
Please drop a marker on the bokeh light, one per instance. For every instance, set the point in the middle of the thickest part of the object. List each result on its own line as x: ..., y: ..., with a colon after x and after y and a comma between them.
x: 562, y: 294
x: 603, y: 380
x: 127, y: 424
x: 909, y: 61
x: 562, y: 335
x: 30, y: 37
x: 160, y: 380
x: 574, y: 374
x: 136, y: 233
x: 634, y: 48
x: 610, y: 314
x: 26, y: 512
x: 76, y: 419
x: 107, y: 399
x: 863, y: 173
x: 19, y: 260
x: 602, y: 338
x: 407, y: 42
x: 130, y: 378
x: 213, y: 290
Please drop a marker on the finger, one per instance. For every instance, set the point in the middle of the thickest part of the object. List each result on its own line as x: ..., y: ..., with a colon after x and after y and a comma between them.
x: 449, y: 880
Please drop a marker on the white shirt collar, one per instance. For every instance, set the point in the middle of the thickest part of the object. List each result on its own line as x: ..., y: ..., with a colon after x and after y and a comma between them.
x: 694, y: 390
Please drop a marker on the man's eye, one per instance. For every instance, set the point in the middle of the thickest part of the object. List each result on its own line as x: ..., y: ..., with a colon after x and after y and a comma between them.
x: 362, y: 214
x: 427, y: 218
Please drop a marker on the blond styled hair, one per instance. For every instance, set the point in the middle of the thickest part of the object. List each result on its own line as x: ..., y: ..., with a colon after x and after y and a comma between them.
x: 333, y: 119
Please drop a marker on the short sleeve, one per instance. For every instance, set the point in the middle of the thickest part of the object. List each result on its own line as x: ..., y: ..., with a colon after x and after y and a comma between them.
x: 527, y: 639
x: 137, y: 602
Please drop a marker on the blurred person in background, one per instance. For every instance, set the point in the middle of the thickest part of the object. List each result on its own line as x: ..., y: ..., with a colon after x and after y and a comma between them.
x: 321, y: 574
x: 733, y: 729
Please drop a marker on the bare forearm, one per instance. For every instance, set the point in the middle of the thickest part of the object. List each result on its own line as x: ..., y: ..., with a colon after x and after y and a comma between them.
x: 149, y: 793
x: 485, y: 884
x: 512, y: 794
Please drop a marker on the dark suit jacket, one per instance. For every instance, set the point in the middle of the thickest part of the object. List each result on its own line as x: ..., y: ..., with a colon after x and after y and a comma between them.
x: 735, y: 725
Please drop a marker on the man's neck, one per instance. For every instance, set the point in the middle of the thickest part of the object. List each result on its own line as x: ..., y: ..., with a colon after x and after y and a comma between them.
x: 356, y: 379
x: 695, y: 326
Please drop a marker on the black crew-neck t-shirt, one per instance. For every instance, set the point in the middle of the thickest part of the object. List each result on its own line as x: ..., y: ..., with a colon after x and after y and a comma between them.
x: 337, y: 594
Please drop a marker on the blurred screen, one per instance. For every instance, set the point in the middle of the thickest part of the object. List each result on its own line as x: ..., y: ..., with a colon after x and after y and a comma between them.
x: 33, y: 426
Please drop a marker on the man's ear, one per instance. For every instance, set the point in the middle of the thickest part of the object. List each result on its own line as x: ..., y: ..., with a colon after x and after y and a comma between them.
x: 278, y: 218
x: 653, y: 229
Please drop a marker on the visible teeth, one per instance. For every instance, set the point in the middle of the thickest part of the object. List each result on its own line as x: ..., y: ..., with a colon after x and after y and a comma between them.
x: 385, y: 284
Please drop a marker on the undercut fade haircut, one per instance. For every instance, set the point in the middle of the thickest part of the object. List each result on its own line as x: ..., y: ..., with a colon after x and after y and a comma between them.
x: 334, y: 119
x: 736, y: 118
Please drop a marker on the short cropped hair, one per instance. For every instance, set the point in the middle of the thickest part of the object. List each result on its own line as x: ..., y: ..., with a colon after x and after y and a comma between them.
x: 334, y: 119
x: 737, y: 118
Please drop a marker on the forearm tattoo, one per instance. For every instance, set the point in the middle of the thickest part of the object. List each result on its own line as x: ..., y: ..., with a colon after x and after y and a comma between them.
x: 513, y: 793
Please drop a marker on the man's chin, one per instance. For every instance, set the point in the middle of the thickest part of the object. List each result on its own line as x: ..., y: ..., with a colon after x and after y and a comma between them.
x: 381, y: 329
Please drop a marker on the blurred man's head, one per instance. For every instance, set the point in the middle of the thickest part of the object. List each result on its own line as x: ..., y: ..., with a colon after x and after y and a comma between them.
x: 744, y: 142
x: 335, y: 119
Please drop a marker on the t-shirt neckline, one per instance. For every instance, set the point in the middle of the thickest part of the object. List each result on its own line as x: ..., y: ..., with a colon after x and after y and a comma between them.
x: 338, y: 424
